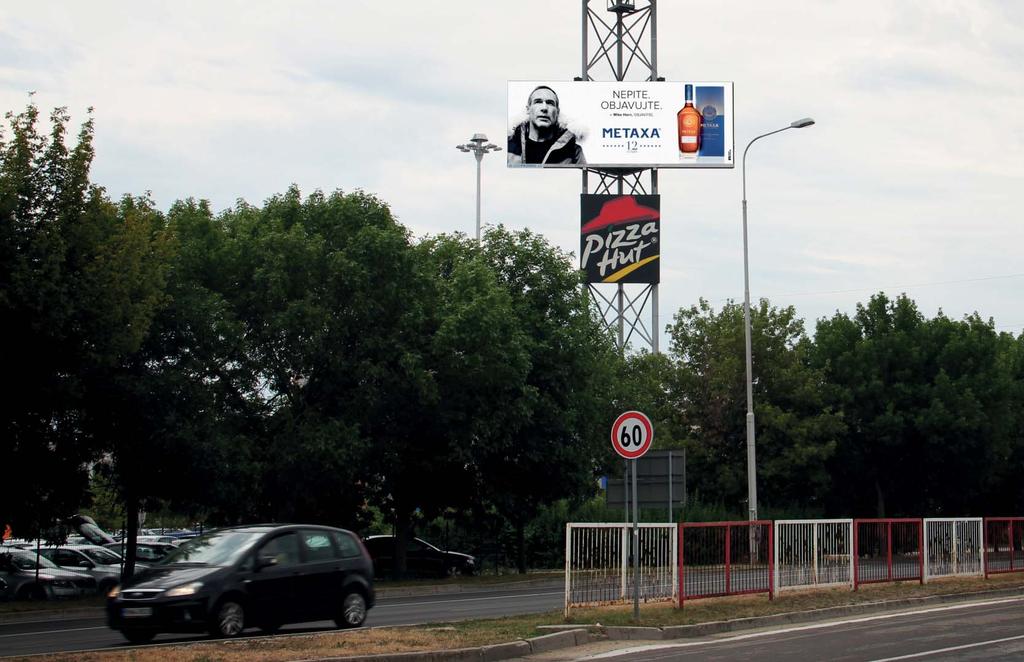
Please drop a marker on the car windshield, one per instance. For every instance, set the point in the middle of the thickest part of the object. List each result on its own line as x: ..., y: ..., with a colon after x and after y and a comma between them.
x: 102, y: 556
x: 23, y: 560
x: 217, y: 548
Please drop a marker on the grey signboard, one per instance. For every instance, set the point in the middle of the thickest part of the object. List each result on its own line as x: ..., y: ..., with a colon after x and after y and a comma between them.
x: 661, y: 479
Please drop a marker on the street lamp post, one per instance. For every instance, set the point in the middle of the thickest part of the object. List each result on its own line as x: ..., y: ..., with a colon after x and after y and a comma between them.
x: 751, y: 453
x: 479, y: 146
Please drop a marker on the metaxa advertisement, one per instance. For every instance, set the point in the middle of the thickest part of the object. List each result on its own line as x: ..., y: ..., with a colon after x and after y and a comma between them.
x: 620, y: 238
x: 579, y: 124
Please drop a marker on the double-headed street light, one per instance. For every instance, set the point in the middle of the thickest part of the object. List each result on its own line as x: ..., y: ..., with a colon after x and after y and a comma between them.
x: 751, y: 454
x: 479, y: 146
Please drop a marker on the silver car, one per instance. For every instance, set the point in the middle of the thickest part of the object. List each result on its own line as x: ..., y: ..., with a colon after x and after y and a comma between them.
x: 28, y: 577
x: 100, y: 563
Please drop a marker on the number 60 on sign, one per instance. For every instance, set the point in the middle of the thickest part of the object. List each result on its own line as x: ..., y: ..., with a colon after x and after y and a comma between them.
x: 632, y: 434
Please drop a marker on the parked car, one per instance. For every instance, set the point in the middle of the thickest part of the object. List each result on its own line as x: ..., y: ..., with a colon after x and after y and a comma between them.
x: 99, y: 562
x: 147, y: 552
x: 421, y: 558
x: 28, y: 577
x: 261, y: 575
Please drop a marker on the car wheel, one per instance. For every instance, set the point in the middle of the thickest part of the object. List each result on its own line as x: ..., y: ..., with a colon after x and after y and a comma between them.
x: 228, y: 619
x: 353, y: 611
x: 139, y: 637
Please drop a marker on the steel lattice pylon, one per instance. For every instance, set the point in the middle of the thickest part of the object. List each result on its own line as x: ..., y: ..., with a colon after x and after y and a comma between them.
x: 613, y: 43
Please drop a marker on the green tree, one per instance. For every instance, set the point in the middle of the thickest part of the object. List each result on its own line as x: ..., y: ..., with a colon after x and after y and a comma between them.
x: 76, y: 298
x: 929, y: 408
x: 796, y: 429
x: 556, y: 444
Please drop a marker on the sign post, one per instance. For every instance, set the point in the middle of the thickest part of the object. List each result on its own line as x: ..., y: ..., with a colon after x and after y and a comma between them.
x: 632, y: 434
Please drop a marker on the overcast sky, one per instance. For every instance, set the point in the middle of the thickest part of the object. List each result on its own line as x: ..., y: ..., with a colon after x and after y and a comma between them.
x: 910, y: 180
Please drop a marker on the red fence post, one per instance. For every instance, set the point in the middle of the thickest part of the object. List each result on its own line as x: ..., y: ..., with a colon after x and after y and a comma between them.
x: 1010, y: 536
x: 920, y: 550
x: 985, y: 541
x: 682, y: 565
x: 771, y: 561
x: 888, y: 536
x: 856, y: 555
x: 728, y: 549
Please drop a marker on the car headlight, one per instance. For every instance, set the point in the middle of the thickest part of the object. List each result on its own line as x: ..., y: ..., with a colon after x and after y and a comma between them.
x: 46, y: 578
x: 184, y: 589
x: 114, y: 592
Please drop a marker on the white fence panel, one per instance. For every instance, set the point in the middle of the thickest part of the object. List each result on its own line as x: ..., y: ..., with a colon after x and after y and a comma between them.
x: 953, y: 547
x: 813, y: 553
x: 598, y: 563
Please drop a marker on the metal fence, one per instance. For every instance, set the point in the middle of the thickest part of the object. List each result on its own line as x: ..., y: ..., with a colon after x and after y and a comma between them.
x: 888, y: 550
x: 599, y: 563
x: 1004, y: 545
x: 953, y: 547
x: 813, y: 553
x: 725, y: 558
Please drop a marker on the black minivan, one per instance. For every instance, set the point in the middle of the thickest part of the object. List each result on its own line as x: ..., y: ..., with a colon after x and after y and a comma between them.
x: 260, y: 575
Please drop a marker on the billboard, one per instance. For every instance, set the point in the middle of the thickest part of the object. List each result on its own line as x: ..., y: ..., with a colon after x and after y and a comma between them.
x: 620, y: 238
x: 619, y: 124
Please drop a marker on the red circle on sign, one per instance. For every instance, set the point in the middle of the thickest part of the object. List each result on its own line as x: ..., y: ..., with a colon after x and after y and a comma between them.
x: 632, y: 451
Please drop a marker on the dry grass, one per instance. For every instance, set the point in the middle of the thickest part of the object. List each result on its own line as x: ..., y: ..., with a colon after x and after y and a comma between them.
x: 482, y: 632
x: 327, y: 644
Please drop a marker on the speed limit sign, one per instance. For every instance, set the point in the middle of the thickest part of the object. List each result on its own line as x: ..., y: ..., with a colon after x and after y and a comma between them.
x: 632, y: 434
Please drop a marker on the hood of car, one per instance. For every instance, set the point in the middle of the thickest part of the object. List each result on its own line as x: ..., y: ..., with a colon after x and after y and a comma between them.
x: 168, y: 576
x: 460, y: 555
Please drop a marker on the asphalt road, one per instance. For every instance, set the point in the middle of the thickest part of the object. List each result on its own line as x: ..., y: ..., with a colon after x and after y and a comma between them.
x: 50, y: 636
x: 989, y: 630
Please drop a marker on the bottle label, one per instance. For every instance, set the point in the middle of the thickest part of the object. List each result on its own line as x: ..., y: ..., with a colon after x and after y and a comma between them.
x: 687, y: 140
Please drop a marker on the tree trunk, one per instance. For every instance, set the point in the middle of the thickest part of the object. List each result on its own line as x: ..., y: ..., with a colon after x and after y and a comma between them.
x: 521, y: 546
x: 131, y: 505
x: 880, y: 496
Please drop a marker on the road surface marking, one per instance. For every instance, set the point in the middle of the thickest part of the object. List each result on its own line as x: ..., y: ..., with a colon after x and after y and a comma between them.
x: 950, y: 649
x: 802, y: 628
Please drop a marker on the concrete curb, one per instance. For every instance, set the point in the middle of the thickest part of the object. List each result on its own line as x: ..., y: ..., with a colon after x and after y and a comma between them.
x: 492, y: 653
x: 629, y: 633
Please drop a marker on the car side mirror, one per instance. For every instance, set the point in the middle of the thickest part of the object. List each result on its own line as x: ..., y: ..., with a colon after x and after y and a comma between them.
x: 265, y: 562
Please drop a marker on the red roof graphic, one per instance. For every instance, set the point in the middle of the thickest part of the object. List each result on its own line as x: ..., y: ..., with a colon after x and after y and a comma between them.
x: 623, y: 209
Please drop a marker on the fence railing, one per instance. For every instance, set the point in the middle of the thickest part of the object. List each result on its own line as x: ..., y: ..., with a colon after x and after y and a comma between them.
x: 888, y: 550
x: 599, y: 567
x: 725, y: 558
x: 813, y: 553
x: 953, y: 547
x: 680, y: 562
x: 1004, y: 545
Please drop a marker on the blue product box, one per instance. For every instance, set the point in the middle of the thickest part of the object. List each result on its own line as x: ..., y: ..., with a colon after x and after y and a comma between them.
x: 710, y: 101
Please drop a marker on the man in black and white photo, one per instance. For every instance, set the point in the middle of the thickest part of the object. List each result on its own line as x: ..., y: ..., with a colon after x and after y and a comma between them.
x: 542, y: 139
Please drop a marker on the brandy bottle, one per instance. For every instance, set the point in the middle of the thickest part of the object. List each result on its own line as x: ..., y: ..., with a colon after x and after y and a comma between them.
x: 689, y: 121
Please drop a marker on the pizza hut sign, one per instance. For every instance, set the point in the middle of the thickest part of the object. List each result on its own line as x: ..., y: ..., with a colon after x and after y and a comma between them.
x: 619, y: 238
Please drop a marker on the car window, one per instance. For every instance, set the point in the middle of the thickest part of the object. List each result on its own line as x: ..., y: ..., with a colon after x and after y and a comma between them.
x: 220, y: 548
x: 66, y: 557
x: 27, y: 560
x: 318, y: 546
x: 102, y: 556
x: 284, y: 548
x: 347, y: 545
x: 415, y: 546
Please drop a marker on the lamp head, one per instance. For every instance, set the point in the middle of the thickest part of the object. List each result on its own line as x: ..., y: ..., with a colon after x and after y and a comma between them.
x: 801, y: 123
x: 479, y: 138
